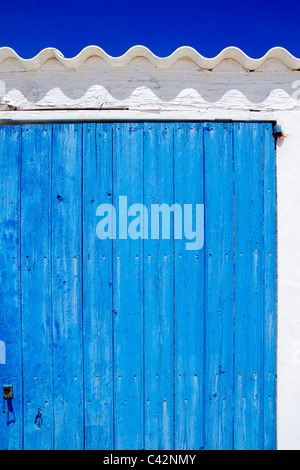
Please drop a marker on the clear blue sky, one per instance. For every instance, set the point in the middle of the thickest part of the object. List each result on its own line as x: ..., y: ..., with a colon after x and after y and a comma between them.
x: 208, y: 26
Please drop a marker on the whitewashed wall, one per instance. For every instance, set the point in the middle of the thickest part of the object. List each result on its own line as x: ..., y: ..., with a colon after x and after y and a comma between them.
x: 183, y: 88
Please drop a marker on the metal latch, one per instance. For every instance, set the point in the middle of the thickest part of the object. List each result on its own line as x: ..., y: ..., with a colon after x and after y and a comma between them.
x: 277, y: 132
x: 7, y: 391
x: 8, y: 395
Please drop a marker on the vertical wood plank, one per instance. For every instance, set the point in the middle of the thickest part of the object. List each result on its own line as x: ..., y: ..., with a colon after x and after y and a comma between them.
x: 270, y: 275
x: 189, y: 295
x: 219, y: 295
x: 158, y: 292
x: 97, y: 289
x: 128, y: 293
x: 249, y: 323
x: 11, y: 435
x: 36, y: 286
x: 67, y: 289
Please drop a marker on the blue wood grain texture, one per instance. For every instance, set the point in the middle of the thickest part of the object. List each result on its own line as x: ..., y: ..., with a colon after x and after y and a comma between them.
x: 11, y: 428
x: 189, y: 295
x: 67, y: 286
x: 219, y: 285
x: 97, y: 289
x: 133, y: 344
x: 270, y: 288
x: 158, y: 293
x: 128, y: 293
x: 36, y: 286
x: 249, y: 308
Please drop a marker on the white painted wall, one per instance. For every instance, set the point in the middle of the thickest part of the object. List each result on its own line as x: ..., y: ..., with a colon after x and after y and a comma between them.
x: 184, y: 90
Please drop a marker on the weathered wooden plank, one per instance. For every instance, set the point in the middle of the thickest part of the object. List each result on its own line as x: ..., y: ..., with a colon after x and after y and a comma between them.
x: 97, y: 289
x: 249, y: 322
x: 36, y: 286
x: 128, y: 292
x: 67, y: 289
x: 219, y: 286
x: 158, y: 292
x: 270, y: 272
x: 11, y: 435
x: 189, y: 295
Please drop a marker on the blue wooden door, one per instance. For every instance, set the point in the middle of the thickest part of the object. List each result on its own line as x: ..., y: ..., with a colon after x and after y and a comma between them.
x: 138, y: 343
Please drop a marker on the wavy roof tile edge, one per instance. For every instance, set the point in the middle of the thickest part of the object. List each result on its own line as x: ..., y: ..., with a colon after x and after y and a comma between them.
x: 184, y: 52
